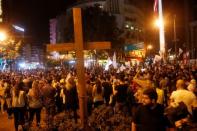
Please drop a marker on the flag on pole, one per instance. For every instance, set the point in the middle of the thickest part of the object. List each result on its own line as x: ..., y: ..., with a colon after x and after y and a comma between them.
x: 180, y: 51
x: 187, y: 54
x: 109, y: 62
x: 114, y: 61
x: 155, y: 6
x: 157, y: 58
x: 169, y: 50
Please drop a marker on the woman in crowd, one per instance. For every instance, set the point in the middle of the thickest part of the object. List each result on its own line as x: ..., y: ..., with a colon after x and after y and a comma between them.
x: 18, y: 104
x: 35, y: 102
x: 8, y: 99
x: 71, y: 97
x: 89, y: 96
x: 97, y: 94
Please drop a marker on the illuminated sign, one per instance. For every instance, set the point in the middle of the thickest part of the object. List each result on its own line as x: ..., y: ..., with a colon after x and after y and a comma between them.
x: 137, y: 53
x: 19, y: 28
x: 130, y: 47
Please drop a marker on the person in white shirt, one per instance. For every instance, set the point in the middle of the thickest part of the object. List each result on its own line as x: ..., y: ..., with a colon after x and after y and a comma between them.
x: 18, y: 104
x: 183, y: 95
x: 35, y: 102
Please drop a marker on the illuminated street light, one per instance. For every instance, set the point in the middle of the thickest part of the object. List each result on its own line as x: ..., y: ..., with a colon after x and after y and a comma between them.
x: 149, y: 50
x: 149, y: 47
x: 158, y: 23
x: 3, y: 36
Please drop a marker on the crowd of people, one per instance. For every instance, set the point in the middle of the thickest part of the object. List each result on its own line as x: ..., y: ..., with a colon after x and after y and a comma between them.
x: 158, y: 97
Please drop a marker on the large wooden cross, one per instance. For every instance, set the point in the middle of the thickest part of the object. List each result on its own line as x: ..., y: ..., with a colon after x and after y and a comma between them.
x: 78, y: 46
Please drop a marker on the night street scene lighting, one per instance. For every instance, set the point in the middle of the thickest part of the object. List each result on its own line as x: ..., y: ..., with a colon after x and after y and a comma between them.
x: 98, y: 65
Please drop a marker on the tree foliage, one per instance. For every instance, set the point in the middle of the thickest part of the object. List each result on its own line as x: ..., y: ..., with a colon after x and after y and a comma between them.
x: 10, y: 49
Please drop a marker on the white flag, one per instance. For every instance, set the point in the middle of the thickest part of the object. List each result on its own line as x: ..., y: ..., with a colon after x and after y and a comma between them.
x: 127, y: 64
x: 122, y: 68
x: 157, y: 58
x: 180, y: 51
x: 114, y: 61
x: 169, y: 50
x: 109, y: 62
x: 187, y: 53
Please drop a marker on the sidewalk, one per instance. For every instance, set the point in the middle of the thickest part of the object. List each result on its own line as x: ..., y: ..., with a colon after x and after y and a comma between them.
x: 5, y: 123
x: 8, y: 124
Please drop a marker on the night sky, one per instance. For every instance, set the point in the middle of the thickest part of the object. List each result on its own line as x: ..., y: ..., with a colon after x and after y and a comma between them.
x: 34, y: 16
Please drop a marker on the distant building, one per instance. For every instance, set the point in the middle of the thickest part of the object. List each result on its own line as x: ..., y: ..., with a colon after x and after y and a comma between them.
x: 193, y: 39
x: 88, y: 3
x: 129, y: 18
x: 53, y: 28
x: 33, y: 53
x: 191, y: 26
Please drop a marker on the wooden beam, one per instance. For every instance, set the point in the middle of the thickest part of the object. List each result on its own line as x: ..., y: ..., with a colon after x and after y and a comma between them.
x: 79, y: 47
x: 97, y: 45
x: 60, y: 47
x: 70, y: 46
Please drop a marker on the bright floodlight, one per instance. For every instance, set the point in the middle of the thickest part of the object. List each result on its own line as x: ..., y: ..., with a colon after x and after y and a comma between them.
x: 3, y: 36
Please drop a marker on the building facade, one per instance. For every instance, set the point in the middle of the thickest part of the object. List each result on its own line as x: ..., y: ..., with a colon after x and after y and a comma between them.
x: 191, y: 26
x: 53, y: 28
x: 129, y: 18
x: 33, y: 53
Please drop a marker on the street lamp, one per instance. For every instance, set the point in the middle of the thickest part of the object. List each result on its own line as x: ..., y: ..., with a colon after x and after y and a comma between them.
x: 3, y: 36
x: 149, y: 47
x: 159, y: 23
x: 148, y: 50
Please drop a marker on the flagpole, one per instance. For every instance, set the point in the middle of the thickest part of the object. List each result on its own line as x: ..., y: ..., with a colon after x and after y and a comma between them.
x: 161, y: 29
x: 175, y: 40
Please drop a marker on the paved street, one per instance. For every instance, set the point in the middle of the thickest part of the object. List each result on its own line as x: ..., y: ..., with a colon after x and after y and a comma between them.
x: 5, y: 123
x: 8, y: 124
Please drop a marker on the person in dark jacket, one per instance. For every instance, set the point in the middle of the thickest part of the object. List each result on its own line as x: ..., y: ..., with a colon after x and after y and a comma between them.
x: 149, y: 116
x: 107, y: 90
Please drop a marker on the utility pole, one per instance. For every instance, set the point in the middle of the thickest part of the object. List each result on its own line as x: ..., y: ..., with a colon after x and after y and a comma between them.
x: 175, y: 38
x: 161, y: 31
